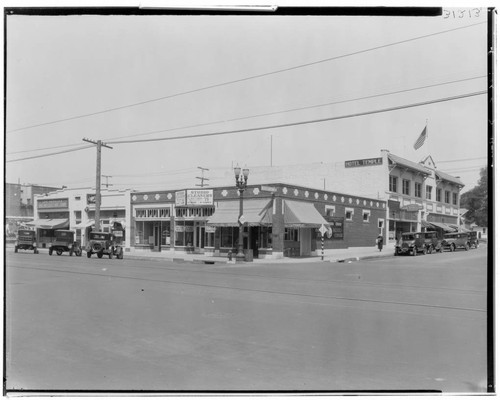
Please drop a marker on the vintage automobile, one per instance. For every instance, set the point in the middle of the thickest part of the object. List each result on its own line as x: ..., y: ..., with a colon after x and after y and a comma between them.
x: 411, y: 243
x: 473, y: 239
x: 64, y: 240
x: 432, y: 242
x: 455, y: 240
x: 26, y: 240
x: 102, y: 243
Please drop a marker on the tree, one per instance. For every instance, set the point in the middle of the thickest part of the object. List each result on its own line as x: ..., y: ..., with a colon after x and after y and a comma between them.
x: 476, y: 201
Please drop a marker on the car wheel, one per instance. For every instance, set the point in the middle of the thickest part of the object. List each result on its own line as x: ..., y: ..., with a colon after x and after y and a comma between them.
x: 110, y: 255
x: 50, y: 252
x: 414, y: 251
x: 452, y: 247
x: 424, y: 251
x: 70, y: 253
x: 59, y: 252
x: 15, y: 249
x: 89, y: 253
x: 78, y: 252
x: 441, y: 249
x: 36, y: 251
x: 467, y: 246
x: 120, y: 255
x: 99, y: 255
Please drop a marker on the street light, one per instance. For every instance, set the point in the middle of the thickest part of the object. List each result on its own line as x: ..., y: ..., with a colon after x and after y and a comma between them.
x: 241, y: 177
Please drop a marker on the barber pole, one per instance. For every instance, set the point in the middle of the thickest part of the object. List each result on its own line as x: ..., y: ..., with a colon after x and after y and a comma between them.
x: 323, y: 230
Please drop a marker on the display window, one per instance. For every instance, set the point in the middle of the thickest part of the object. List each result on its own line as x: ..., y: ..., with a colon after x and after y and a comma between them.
x: 229, y: 236
x: 184, y: 233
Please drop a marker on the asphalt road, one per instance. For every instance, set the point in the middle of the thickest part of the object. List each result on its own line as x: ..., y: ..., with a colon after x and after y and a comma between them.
x: 404, y: 323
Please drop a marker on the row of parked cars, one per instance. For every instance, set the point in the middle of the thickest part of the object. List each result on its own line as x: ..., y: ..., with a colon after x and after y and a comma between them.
x: 429, y: 242
x: 100, y: 243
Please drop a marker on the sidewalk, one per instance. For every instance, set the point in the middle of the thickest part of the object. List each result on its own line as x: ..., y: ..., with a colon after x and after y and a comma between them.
x: 332, y: 256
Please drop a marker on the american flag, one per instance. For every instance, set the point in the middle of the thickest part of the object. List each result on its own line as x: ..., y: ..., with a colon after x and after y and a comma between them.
x: 421, y: 139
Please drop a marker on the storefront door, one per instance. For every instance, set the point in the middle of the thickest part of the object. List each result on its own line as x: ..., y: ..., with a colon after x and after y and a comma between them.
x: 157, y: 237
x: 200, y: 237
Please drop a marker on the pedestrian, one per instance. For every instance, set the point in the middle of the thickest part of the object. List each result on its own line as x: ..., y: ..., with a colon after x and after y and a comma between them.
x: 380, y: 242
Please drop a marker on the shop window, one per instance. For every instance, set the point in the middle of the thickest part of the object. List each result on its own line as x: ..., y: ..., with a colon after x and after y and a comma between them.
x: 292, y: 234
x: 229, y: 236
x: 393, y: 183
x: 406, y: 187
x: 428, y: 192
x: 349, y: 214
x: 418, y: 189
x: 210, y: 236
x: 366, y: 216
x: 184, y: 232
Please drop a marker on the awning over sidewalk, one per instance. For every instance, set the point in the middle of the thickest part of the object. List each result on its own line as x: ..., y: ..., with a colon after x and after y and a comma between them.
x: 302, y: 215
x: 442, y: 226
x: 426, y: 224
x: 255, y: 212
x: 86, y: 224
x: 49, y: 223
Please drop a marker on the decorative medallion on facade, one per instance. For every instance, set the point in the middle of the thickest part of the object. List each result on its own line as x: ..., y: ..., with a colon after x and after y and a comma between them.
x: 285, y: 190
x: 357, y: 201
x: 334, y: 198
x: 325, y: 196
x: 145, y: 197
x: 169, y: 196
x: 224, y: 193
x: 296, y: 192
x: 378, y: 204
x: 157, y: 196
x: 350, y: 200
x: 306, y: 193
x: 256, y: 191
x: 371, y: 203
x: 364, y: 202
x: 134, y: 197
x: 342, y: 199
x: 316, y: 195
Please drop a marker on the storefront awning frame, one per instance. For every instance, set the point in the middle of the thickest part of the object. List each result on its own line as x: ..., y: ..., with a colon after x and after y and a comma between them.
x: 47, y: 223
x: 256, y: 212
x: 299, y: 214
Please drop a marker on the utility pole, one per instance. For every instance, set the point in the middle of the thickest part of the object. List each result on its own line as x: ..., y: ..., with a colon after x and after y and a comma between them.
x: 107, y: 176
x: 97, y: 217
x: 202, y: 177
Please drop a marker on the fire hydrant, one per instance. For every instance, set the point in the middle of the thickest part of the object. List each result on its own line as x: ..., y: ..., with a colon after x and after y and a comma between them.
x: 230, y: 255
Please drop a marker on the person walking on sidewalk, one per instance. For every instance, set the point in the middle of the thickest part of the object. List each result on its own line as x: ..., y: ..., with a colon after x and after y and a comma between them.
x: 380, y: 242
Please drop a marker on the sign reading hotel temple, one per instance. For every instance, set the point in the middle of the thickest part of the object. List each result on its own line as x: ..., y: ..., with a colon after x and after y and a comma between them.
x: 366, y: 162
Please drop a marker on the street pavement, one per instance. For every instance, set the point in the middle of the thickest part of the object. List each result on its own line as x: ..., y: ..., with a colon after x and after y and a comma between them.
x: 398, y: 323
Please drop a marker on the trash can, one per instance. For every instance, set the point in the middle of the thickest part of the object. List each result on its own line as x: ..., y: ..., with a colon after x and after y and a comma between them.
x: 248, y: 254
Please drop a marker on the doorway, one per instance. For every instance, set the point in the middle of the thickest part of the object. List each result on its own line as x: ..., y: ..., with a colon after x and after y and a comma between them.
x: 157, y: 237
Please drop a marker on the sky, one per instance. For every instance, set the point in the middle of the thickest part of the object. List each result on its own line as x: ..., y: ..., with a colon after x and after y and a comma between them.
x: 129, y: 77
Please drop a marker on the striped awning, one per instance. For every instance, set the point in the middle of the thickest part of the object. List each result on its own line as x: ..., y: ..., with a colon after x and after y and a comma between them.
x: 443, y: 226
x: 55, y: 223
x: 302, y: 215
x: 85, y: 224
x: 255, y: 212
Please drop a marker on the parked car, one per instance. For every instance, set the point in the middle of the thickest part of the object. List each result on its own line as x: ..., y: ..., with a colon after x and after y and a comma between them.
x: 102, y: 243
x: 411, y: 243
x: 474, y: 239
x: 432, y: 242
x: 65, y: 241
x: 453, y: 241
x: 25, y: 240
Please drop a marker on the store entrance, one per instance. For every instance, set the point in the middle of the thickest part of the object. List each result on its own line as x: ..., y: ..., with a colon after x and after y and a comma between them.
x: 200, y: 237
x: 157, y: 237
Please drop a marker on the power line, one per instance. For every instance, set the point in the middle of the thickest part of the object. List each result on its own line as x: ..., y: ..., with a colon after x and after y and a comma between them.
x: 461, y: 159
x: 274, y: 113
x: 50, y: 154
x: 244, y: 79
x: 396, y: 108
x: 305, y: 122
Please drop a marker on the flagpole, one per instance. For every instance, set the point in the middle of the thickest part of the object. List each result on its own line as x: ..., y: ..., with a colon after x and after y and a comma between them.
x: 427, y: 137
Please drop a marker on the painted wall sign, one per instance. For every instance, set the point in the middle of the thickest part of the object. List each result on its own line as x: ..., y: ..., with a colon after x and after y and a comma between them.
x: 413, y: 207
x: 180, y: 198
x: 199, y: 197
x: 366, y: 162
x: 52, y: 203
